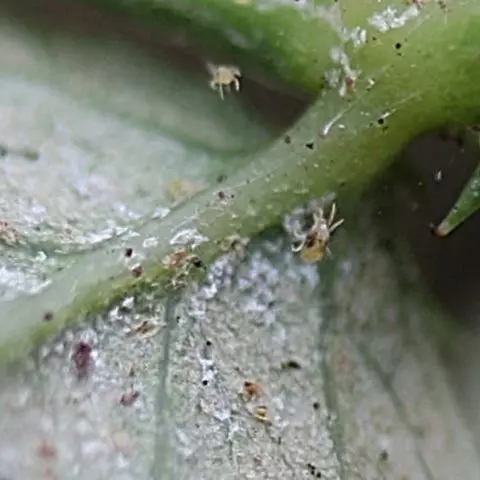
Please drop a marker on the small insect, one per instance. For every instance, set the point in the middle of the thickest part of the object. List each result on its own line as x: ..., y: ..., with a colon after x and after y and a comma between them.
x: 314, y: 244
x: 223, y: 76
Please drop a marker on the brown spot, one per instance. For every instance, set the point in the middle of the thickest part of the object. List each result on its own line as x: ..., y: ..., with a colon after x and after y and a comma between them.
x: 82, y: 357
x: 137, y: 271
x: 251, y: 389
x: 222, y: 195
x: 46, y: 450
x: 47, y: 316
x: 128, y: 252
x: 129, y: 398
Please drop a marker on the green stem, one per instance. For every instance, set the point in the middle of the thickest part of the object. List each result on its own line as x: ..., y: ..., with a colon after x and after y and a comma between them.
x: 339, y: 145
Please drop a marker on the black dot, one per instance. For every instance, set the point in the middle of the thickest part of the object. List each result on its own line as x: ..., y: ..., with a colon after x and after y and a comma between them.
x: 208, y: 343
x: 287, y: 139
x: 384, y: 455
x: 398, y: 45
x: 205, y: 382
x: 310, y: 145
x: 128, y: 252
x: 319, y: 475
x: 196, y: 262
x: 316, y: 405
x: 381, y: 121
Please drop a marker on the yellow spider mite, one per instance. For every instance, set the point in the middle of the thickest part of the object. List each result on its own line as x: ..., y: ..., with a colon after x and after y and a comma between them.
x: 314, y: 244
x: 223, y: 76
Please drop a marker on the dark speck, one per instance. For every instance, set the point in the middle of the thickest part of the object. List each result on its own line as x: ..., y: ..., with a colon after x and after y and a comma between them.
x: 204, y: 383
x: 221, y: 178
x: 383, y: 455
x: 48, y: 316
x: 196, y: 262
x: 290, y: 364
x: 316, y: 405
x: 127, y: 399
x: 310, y: 145
x: 287, y: 139
x: 398, y: 45
x: 128, y: 252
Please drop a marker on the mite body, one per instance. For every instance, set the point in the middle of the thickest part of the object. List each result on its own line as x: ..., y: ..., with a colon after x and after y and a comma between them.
x: 223, y: 76
x: 314, y: 244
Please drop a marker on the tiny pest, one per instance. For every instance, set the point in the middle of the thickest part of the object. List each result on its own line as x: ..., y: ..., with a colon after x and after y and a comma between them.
x: 224, y: 76
x: 314, y: 244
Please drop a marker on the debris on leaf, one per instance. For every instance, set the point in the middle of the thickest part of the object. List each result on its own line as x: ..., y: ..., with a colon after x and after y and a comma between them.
x: 180, y: 189
x: 173, y: 260
x: 46, y: 450
x: 82, y: 358
x: 236, y: 245
x: 137, y: 271
x: 251, y: 389
x: 145, y: 329
x: 8, y: 234
x: 129, y: 398
x: 260, y: 412
x: 181, y: 263
x: 290, y: 365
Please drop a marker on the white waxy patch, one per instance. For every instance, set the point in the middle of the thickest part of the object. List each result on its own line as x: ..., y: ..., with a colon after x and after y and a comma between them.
x: 188, y: 237
x: 358, y: 36
x: 338, y: 55
x: 390, y: 18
